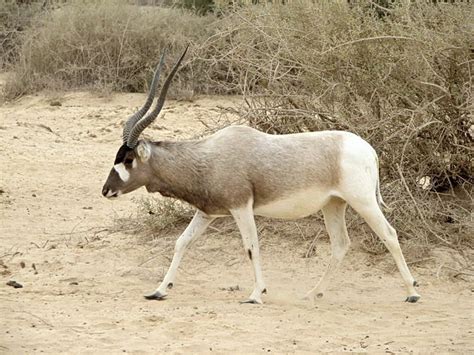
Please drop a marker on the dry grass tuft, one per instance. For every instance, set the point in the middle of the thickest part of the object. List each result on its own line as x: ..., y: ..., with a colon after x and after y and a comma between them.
x: 156, y: 217
x: 109, y: 45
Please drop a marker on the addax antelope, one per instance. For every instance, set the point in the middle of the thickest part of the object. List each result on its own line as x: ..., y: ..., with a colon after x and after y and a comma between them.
x: 242, y: 172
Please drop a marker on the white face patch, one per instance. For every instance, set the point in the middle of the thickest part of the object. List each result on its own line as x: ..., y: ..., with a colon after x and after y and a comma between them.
x: 134, y: 164
x: 113, y: 194
x: 122, y: 171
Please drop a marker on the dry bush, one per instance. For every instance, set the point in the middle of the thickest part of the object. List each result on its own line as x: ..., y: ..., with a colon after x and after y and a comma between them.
x: 106, y: 44
x: 15, y: 17
x: 403, y: 82
x: 154, y: 216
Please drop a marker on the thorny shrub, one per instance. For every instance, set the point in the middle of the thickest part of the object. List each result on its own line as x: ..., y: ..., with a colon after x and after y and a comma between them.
x: 403, y: 82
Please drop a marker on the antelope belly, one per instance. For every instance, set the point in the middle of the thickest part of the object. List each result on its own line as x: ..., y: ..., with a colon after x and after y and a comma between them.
x: 298, y: 205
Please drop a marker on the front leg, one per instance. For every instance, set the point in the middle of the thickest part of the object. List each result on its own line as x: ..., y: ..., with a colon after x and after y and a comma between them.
x: 197, y: 226
x: 245, y: 220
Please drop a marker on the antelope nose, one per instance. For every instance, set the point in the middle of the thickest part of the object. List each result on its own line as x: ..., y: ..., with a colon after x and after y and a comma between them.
x: 109, y: 193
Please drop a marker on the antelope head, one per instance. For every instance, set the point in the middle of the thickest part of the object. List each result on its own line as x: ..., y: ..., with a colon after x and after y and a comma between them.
x: 131, y: 168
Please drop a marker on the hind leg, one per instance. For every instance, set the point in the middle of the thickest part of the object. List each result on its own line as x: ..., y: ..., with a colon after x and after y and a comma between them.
x: 334, y: 213
x: 374, y: 217
x: 245, y: 220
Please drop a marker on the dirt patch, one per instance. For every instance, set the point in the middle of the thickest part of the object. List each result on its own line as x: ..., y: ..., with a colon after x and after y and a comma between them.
x: 83, y: 285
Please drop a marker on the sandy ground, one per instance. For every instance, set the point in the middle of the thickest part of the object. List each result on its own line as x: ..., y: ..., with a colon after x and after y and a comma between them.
x: 83, y: 284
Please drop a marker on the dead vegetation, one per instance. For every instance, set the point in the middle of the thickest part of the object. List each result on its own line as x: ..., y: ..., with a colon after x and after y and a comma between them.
x: 15, y: 18
x: 403, y: 81
x: 105, y: 45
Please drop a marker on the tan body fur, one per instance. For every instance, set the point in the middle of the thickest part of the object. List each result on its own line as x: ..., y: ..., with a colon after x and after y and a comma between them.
x: 225, y: 170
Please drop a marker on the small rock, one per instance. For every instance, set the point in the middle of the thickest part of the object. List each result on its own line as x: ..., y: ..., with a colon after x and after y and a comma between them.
x: 22, y: 264
x: 14, y: 284
x: 55, y: 103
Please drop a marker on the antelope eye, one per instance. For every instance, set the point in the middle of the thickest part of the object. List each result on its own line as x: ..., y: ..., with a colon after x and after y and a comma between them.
x: 128, y: 161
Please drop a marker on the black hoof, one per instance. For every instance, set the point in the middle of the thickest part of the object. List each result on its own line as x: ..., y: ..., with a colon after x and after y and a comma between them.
x: 249, y: 301
x: 264, y: 291
x: 320, y: 295
x: 412, y: 299
x: 155, y: 296
x: 170, y: 285
x: 416, y: 284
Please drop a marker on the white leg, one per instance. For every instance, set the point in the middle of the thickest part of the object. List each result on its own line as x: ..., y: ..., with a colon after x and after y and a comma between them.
x: 245, y: 220
x: 374, y: 217
x: 334, y: 213
x: 197, y: 226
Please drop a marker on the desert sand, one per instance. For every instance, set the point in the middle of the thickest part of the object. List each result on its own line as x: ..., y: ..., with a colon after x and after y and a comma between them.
x: 83, y: 281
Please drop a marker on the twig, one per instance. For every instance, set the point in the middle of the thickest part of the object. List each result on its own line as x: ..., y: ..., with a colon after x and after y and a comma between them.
x: 367, y: 40
x: 48, y: 129
x: 9, y: 254
x: 149, y: 259
x: 381, y: 7
x: 416, y: 131
x: 216, y: 229
x: 419, y: 261
x: 36, y: 245
x: 312, y: 245
x: 300, y: 230
x: 422, y: 217
x: 435, y: 86
x: 80, y: 231
x: 439, y: 270
x: 41, y: 319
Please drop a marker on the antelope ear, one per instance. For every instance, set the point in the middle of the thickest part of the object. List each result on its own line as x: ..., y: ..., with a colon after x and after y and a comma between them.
x: 143, y: 151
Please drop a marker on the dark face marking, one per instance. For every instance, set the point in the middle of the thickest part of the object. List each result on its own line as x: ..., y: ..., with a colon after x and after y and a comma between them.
x: 120, y: 179
x: 123, y: 154
x: 250, y: 254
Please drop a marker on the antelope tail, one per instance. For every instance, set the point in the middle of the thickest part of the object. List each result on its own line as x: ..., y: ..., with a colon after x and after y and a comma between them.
x: 377, y: 192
